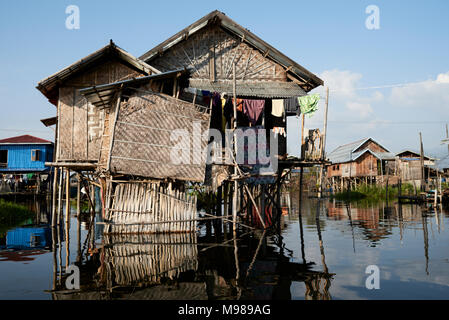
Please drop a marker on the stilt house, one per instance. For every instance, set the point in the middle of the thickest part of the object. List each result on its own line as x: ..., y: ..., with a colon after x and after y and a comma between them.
x: 143, y: 125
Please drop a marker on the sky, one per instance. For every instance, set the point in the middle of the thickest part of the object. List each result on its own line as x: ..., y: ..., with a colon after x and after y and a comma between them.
x: 362, y: 67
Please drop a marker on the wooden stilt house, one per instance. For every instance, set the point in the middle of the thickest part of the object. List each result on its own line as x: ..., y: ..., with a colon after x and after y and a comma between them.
x: 144, y: 125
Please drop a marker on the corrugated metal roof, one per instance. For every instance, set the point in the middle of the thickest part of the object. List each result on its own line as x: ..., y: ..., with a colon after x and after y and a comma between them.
x: 265, y: 89
x: 345, y: 153
x: 383, y: 155
x: 24, y: 139
x: 311, y: 81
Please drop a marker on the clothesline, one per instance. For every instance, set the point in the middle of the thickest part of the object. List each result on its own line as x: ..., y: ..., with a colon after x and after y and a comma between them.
x: 405, y: 84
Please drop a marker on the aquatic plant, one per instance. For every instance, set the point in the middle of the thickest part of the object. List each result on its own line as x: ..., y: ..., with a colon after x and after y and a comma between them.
x: 373, y: 192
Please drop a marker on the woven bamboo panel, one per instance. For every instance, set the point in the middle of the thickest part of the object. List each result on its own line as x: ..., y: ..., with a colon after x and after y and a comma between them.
x: 147, y: 259
x: 95, y: 123
x: 65, y: 123
x: 105, y: 72
x: 81, y: 124
x: 135, y: 208
x: 211, y: 53
x: 142, y: 143
x: 80, y: 128
x: 105, y: 141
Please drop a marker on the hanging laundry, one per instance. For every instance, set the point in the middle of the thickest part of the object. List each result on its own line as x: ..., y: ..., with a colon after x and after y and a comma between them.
x: 291, y: 105
x: 228, y: 110
x: 216, y: 114
x: 239, y: 104
x: 277, y: 108
x: 280, y: 131
x: 252, y: 109
x: 309, y: 104
x: 206, y: 96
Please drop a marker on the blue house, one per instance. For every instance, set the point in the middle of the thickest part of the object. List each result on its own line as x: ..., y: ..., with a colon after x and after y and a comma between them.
x: 25, y: 154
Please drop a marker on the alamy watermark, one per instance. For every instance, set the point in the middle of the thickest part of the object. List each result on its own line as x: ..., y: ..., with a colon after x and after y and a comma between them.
x: 72, y: 22
x: 253, y: 147
x: 373, y: 280
x: 372, y: 22
x: 72, y: 282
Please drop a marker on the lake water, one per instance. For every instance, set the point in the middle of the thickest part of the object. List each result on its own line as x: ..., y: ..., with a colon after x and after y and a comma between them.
x: 323, y: 253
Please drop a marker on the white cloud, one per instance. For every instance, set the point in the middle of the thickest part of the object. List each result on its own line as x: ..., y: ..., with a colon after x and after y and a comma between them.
x: 348, y: 103
x: 362, y: 109
x: 430, y: 94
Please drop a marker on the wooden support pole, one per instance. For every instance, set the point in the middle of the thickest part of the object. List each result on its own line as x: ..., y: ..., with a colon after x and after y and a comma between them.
x: 53, y: 200
x: 78, y: 195
x: 302, y: 137
x: 60, y: 187
x: 67, y: 195
x: 423, y: 177
x: 323, y: 143
x: 234, y: 202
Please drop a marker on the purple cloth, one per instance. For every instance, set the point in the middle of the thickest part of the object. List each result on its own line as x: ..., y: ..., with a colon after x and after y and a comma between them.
x: 252, y: 109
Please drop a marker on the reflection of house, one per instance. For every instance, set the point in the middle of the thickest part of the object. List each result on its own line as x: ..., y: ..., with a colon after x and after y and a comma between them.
x: 28, y: 238
x: 368, y: 220
x: 147, y: 259
x: 25, y: 242
x: 360, y: 159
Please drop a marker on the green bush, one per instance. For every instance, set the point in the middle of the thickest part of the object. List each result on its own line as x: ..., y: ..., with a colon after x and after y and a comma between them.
x: 374, y: 192
x: 12, y: 214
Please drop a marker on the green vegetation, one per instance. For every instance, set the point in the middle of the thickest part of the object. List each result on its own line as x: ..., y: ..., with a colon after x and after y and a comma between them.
x: 12, y: 214
x: 373, y: 193
x: 84, y: 204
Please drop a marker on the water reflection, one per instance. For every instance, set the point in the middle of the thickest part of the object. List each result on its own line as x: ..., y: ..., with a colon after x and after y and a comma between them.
x: 320, y: 253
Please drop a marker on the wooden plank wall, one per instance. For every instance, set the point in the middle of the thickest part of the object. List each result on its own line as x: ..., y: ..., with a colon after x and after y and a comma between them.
x: 81, y: 124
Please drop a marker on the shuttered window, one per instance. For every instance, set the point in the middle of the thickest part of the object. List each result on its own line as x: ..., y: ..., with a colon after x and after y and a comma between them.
x: 35, y: 155
x: 3, y: 158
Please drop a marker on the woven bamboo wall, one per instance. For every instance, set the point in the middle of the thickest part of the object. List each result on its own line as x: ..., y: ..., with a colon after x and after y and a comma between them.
x: 139, y: 207
x: 211, y: 53
x: 81, y: 124
x: 142, y: 143
x: 147, y: 259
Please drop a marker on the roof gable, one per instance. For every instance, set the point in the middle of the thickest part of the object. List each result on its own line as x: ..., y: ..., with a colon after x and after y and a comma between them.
x: 49, y: 86
x: 25, y: 139
x: 244, y: 39
x: 353, y: 150
x: 408, y: 152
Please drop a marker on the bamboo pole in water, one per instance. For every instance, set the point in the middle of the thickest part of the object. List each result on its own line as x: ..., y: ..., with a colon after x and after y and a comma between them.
x: 67, y: 195
x: 60, y: 187
x: 78, y: 195
x: 53, y: 201
x: 234, y: 202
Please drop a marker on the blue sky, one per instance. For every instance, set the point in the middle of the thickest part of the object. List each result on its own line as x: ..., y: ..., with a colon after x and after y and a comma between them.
x: 329, y: 38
